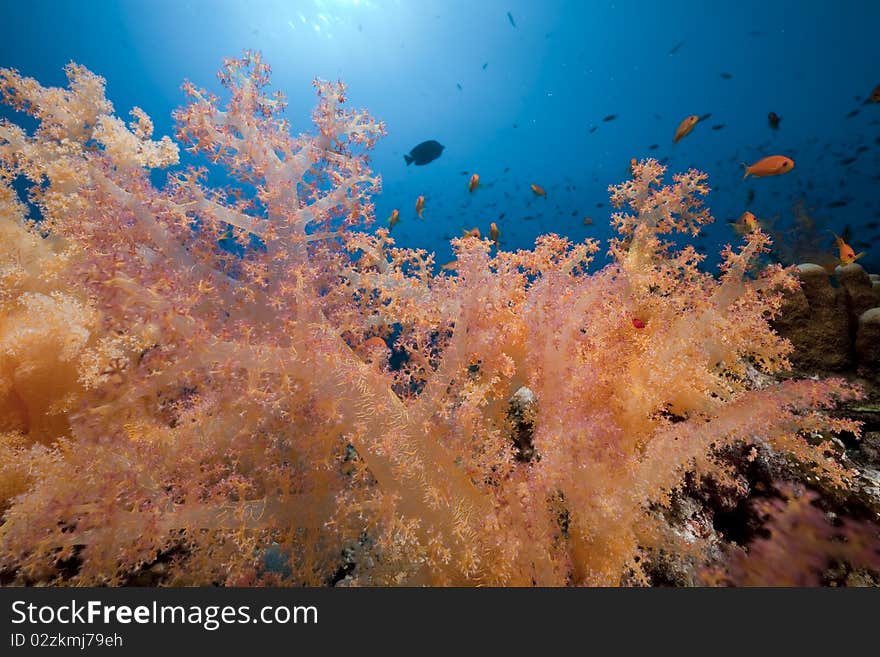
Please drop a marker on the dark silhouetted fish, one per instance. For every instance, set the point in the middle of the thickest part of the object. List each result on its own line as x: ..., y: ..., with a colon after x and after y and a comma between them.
x: 457, y: 84
x: 485, y: 64
x: 506, y: 169
x: 653, y: 147
x: 848, y: 161
x: 510, y: 18
x: 855, y: 112
x: 726, y: 76
x: 837, y: 204
x: 773, y: 120
x: 706, y: 116
x: 676, y: 47
x: 426, y: 152
x: 610, y: 117
x: 593, y: 129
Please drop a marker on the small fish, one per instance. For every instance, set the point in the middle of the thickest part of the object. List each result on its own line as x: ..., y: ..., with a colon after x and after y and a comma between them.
x: 773, y: 165
x: 426, y: 152
x: 676, y: 47
x: 773, y: 120
x: 450, y: 266
x: 473, y: 232
x: 510, y: 18
x: 610, y: 117
x: 474, y: 182
x: 637, y: 323
x: 846, y: 254
x: 653, y: 147
x: 538, y: 190
x: 706, y: 116
x: 855, y: 112
x: 588, y: 221
x: 837, y: 204
x: 726, y: 76
x: 485, y: 64
x: 719, y: 126
x: 494, y: 233
x: 458, y: 85
x: 747, y: 223
x: 684, y: 128
x: 420, y: 206
x: 875, y: 95
x: 750, y: 197
x: 394, y: 218
x: 848, y: 161
x: 632, y: 166
x: 593, y: 129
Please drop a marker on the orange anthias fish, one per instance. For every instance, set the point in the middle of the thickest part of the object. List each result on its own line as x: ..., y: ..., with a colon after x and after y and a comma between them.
x: 846, y: 253
x: 473, y: 232
x: 684, y: 128
x: 494, y: 233
x: 875, y: 95
x: 774, y: 165
x: 394, y: 218
x: 747, y: 223
x: 632, y: 166
x: 538, y: 190
x: 420, y: 206
x: 474, y: 182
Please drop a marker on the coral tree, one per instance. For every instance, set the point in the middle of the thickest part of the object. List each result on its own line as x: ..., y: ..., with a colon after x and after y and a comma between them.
x: 239, y: 384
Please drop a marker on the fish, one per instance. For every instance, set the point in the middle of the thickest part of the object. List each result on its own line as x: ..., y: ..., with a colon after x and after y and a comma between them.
x: 750, y: 197
x: 424, y: 153
x: 420, y: 206
x: 773, y: 120
x: 726, y: 76
x: 853, y: 113
x: 653, y: 147
x: 632, y: 166
x: 494, y: 233
x: 394, y: 218
x: 747, y: 223
x: 684, y: 128
x: 638, y: 323
x: 848, y: 161
x: 593, y: 129
x: 510, y: 18
x: 837, y: 204
x: 676, y: 47
x: 719, y: 126
x: 610, y: 117
x: 773, y: 165
x: 845, y: 252
x: 875, y: 95
x: 707, y: 115
x: 474, y: 182
x: 588, y: 221
x: 538, y: 190
x: 506, y: 169
x: 485, y: 64
x: 458, y: 85
x: 473, y: 232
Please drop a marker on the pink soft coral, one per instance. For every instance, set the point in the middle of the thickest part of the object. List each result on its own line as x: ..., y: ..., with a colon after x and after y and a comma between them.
x: 219, y: 402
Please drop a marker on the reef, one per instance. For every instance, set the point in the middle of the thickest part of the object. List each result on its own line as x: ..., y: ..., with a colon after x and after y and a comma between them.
x: 242, y: 384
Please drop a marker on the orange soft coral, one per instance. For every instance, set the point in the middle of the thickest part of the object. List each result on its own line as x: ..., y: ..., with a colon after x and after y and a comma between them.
x: 218, y: 403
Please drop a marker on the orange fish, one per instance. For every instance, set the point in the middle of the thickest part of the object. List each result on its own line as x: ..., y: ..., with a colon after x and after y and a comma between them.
x: 747, y: 223
x: 473, y: 232
x: 375, y: 342
x: 420, y: 205
x: 494, y: 233
x: 774, y: 165
x: 474, y: 182
x: 538, y: 190
x: 632, y: 166
x: 875, y: 95
x: 394, y: 218
x: 684, y: 128
x: 847, y: 254
x: 588, y: 221
x: 637, y: 323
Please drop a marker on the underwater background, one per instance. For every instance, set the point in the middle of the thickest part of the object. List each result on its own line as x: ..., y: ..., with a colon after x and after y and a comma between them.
x: 560, y: 94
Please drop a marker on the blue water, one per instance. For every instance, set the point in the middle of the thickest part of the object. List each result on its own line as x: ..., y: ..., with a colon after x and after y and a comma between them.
x: 546, y: 82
